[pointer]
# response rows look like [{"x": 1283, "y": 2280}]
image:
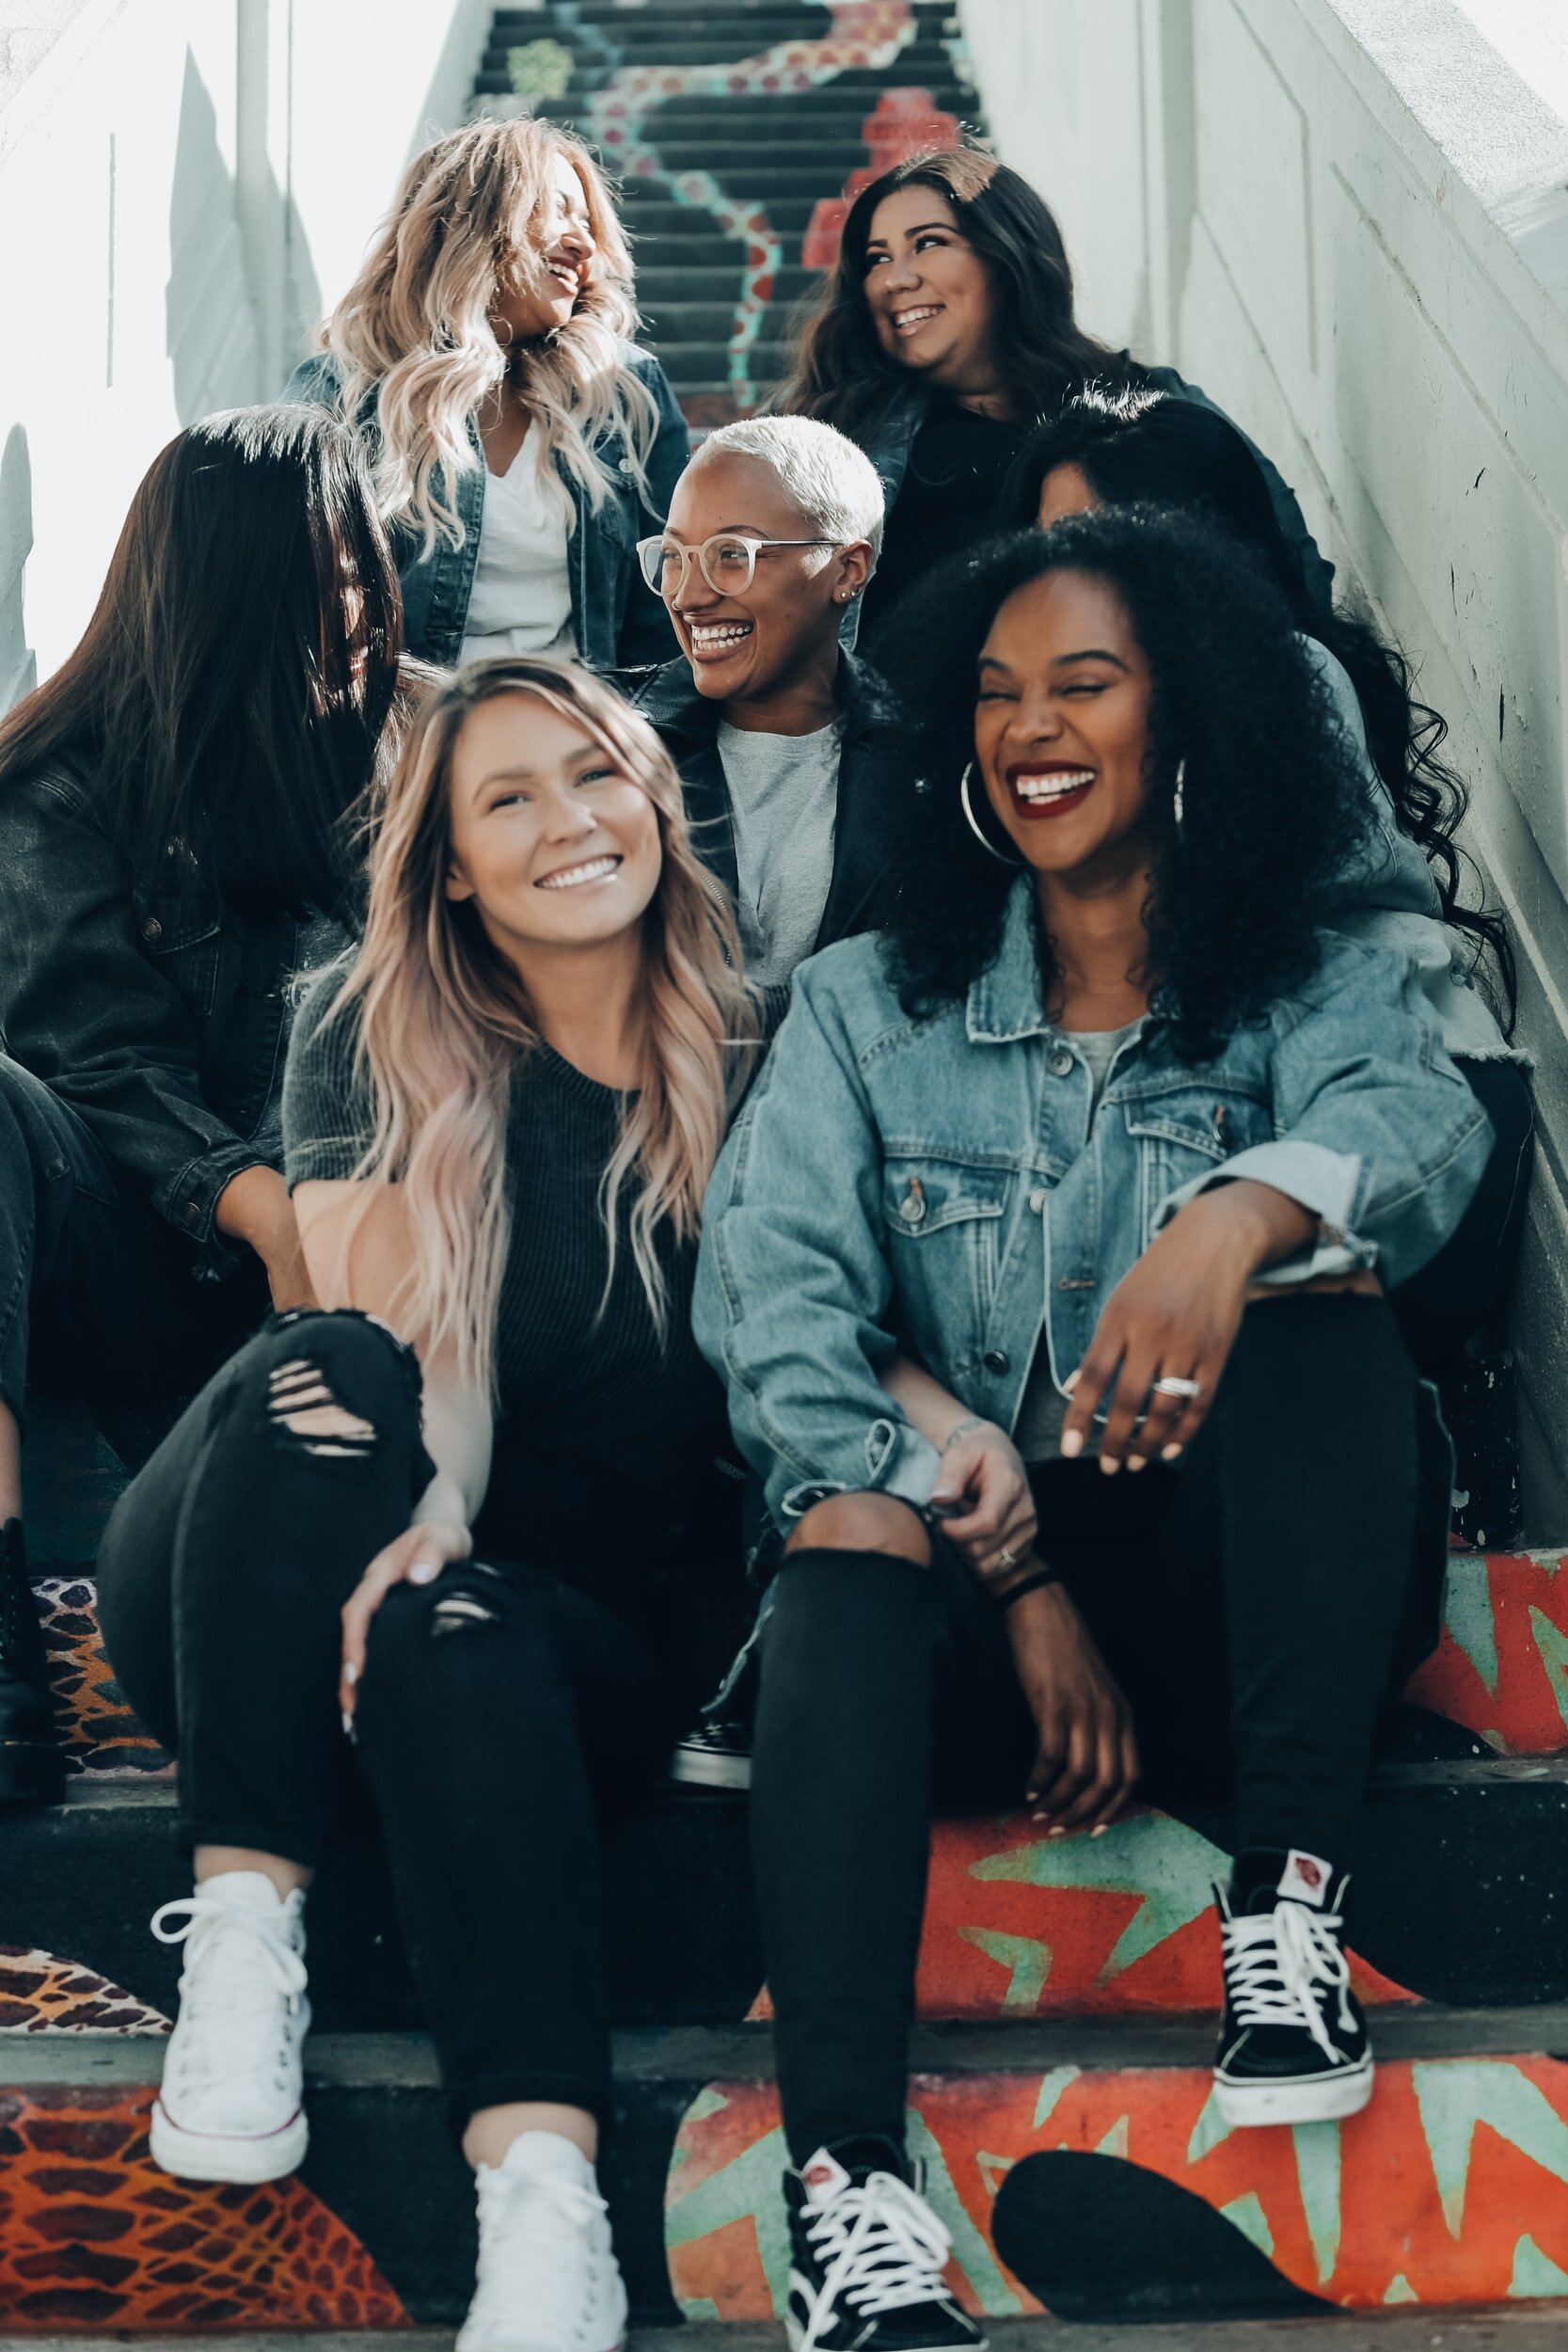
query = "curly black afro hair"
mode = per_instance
[{"x": 1275, "y": 798}]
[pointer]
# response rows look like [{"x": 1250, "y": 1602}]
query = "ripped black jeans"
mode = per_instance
[{"x": 499, "y": 1711}]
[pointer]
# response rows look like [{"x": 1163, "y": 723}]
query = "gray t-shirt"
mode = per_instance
[
  {"x": 1037, "y": 1433},
  {"x": 783, "y": 800}
]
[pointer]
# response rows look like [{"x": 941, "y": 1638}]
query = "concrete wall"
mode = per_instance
[
  {"x": 184, "y": 185},
  {"x": 1350, "y": 224}
]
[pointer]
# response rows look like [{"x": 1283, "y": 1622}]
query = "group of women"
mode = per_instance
[{"x": 616, "y": 1097}]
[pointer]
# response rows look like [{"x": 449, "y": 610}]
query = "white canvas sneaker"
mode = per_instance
[
  {"x": 231, "y": 2106},
  {"x": 548, "y": 2281}
]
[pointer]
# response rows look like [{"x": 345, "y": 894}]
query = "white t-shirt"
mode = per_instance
[
  {"x": 521, "y": 598},
  {"x": 783, "y": 802}
]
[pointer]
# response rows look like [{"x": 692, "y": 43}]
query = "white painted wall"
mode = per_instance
[
  {"x": 1348, "y": 222},
  {"x": 184, "y": 185}
]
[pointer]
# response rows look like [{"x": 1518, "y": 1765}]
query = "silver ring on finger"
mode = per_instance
[
  {"x": 1171, "y": 1384},
  {"x": 1005, "y": 1558}
]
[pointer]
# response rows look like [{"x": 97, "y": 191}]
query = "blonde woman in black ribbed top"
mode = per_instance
[{"x": 499, "y": 1124}]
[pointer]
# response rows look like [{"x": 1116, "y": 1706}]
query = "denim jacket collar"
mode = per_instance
[{"x": 1005, "y": 1001}]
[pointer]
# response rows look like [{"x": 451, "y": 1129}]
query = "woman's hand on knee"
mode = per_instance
[
  {"x": 983, "y": 1495},
  {"x": 1085, "y": 1766},
  {"x": 417, "y": 1557}
]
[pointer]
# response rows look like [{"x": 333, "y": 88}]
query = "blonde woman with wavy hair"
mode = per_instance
[
  {"x": 522, "y": 442},
  {"x": 466, "y": 1529}
]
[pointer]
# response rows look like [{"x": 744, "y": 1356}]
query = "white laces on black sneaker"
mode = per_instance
[
  {"x": 884, "y": 2249},
  {"x": 1275, "y": 1961}
]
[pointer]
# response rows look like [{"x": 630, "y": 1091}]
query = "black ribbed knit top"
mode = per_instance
[{"x": 606, "y": 1429}]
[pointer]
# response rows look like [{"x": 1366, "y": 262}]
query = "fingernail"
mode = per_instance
[
  {"x": 1101, "y": 1830},
  {"x": 1171, "y": 1453},
  {"x": 1134, "y": 1461},
  {"x": 1109, "y": 1463},
  {"x": 351, "y": 1672},
  {"x": 348, "y": 1724},
  {"x": 1037, "y": 1817},
  {"x": 1053, "y": 1833},
  {"x": 422, "y": 1572},
  {"x": 1072, "y": 1444},
  {"x": 1071, "y": 1382}
]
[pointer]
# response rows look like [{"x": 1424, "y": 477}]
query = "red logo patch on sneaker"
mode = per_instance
[
  {"x": 824, "y": 2176},
  {"x": 1305, "y": 1877}
]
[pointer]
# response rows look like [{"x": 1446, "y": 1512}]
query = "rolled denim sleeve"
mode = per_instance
[
  {"x": 85, "y": 1010},
  {"x": 1375, "y": 1131},
  {"x": 793, "y": 1288}
]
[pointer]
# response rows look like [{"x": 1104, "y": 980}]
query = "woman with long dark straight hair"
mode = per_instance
[
  {"x": 944, "y": 333},
  {"x": 1402, "y": 887},
  {"x": 174, "y": 833}
]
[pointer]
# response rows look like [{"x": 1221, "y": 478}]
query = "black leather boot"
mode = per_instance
[{"x": 32, "y": 1771}]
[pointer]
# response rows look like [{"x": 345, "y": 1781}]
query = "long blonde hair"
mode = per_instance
[
  {"x": 413, "y": 329},
  {"x": 444, "y": 1021}
]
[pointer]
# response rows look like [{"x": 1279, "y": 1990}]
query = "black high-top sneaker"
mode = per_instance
[
  {"x": 31, "y": 1769},
  {"x": 1293, "y": 2045},
  {"x": 866, "y": 2256}
]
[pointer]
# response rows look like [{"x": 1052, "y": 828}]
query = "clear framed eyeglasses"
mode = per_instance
[{"x": 727, "y": 562}]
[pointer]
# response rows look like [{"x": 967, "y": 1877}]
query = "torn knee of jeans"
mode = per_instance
[
  {"x": 459, "y": 1612},
  {"x": 301, "y": 1407}
]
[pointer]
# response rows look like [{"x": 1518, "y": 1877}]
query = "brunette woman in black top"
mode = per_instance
[
  {"x": 500, "y": 1122},
  {"x": 175, "y": 853},
  {"x": 945, "y": 332}
]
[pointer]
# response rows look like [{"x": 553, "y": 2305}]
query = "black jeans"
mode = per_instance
[
  {"x": 99, "y": 1296},
  {"x": 500, "y": 1709},
  {"x": 1256, "y": 1605},
  {"x": 1464, "y": 1289}
]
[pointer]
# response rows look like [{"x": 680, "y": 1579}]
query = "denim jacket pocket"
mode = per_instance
[
  {"x": 1182, "y": 1135},
  {"x": 944, "y": 1223},
  {"x": 180, "y": 942}
]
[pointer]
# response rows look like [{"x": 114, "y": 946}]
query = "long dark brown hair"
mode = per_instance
[
  {"x": 226, "y": 701},
  {"x": 842, "y": 373}
]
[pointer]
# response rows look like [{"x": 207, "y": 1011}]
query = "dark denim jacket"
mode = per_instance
[
  {"x": 688, "y": 724},
  {"x": 889, "y": 444},
  {"x": 160, "y": 1021},
  {"x": 614, "y": 620}
]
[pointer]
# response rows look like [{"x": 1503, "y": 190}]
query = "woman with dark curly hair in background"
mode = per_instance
[
  {"x": 1401, "y": 888},
  {"x": 944, "y": 333},
  {"x": 1092, "y": 1129}
]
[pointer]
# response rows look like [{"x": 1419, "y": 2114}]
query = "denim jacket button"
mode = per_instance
[
  {"x": 1061, "y": 1063},
  {"x": 626, "y": 466},
  {"x": 153, "y": 931},
  {"x": 1038, "y": 1199},
  {"x": 995, "y": 1361}
]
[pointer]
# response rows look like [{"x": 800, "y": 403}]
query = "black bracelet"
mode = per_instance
[{"x": 1031, "y": 1583}]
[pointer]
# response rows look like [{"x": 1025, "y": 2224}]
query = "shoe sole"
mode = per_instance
[
  {"x": 1308, "y": 2099},
  {"x": 32, "y": 1772},
  {"x": 711, "y": 1772},
  {"x": 796, "y": 2336},
  {"x": 224, "y": 2156}
]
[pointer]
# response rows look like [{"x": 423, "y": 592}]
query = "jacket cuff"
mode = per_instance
[
  {"x": 190, "y": 1201},
  {"x": 1325, "y": 1182},
  {"x": 898, "y": 1462}
]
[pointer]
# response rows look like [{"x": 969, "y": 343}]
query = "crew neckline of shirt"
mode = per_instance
[{"x": 576, "y": 1080}]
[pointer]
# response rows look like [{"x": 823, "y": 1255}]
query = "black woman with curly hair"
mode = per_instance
[
  {"x": 943, "y": 333},
  {"x": 1403, "y": 889},
  {"x": 1115, "y": 1139}
]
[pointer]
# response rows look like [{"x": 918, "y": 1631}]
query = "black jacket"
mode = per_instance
[{"x": 872, "y": 764}]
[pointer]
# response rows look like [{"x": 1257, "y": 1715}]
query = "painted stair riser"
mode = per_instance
[
  {"x": 1093, "y": 2193},
  {"x": 1462, "y": 1897}
]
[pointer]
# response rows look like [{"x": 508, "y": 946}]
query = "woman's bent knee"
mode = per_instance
[
  {"x": 863, "y": 1522},
  {"x": 334, "y": 1383}
]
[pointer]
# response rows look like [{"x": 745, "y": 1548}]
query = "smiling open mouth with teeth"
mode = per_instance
[
  {"x": 1048, "y": 791},
  {"x": 572, "y": 877},
  {"x": 907, "y": 322},
  {"x": 712, "y": 639}
]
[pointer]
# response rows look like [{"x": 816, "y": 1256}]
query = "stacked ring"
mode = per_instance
[{"x": 1170, "y": 1384}]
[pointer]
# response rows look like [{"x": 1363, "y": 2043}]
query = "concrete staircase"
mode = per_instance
[
  {"x": 734, "y": 126},
  {"x": 1061, "y": 2091}
]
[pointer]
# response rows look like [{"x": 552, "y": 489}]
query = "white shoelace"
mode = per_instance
[
  {"x": 1275, "y": 1961},
  {"x": 884, "y": 2247},
  {"x": 258, "y": 1963},
  {"x": 539, "y": 2269}
]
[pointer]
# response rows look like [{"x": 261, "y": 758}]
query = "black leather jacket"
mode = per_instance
[{"x": 159, "y": 1019}]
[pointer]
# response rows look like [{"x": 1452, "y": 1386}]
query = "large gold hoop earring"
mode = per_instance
[{"x": 1001, "y": 856}]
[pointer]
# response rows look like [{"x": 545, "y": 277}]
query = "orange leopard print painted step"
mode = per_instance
[
  {"x": 40, "y": 1992},
  {"x": 99, "y": 1731}
]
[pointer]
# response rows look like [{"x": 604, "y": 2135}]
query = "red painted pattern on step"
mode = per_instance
[
  {"x": 93, "y": 2236},
  {"x": 1501, "y": 1665},
  {"x": 1451, "y": 2189},
  {"x": 905, "y": 122}
]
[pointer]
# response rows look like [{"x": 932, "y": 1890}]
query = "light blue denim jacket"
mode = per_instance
[
  {"x": 615, "y": 622},
  {"x": 939, "y": 1185}
]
